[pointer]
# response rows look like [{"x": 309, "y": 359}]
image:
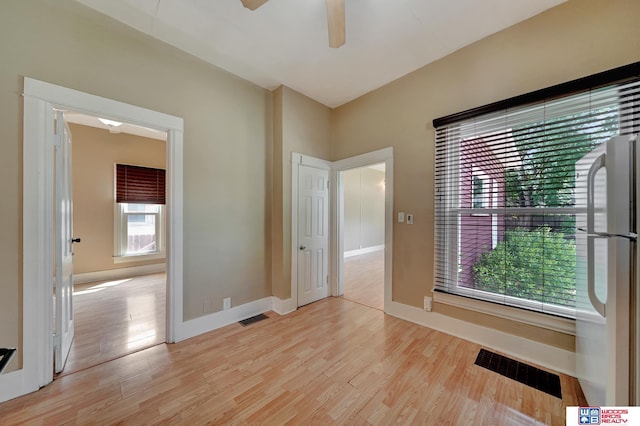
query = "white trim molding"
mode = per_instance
[
  {"x": 204, "y": 324},
  {"x": 546, "y": 356},
  {"x": 283, "y": 307},
  {"x": 116, "y": 274},
  {"x": 216, "y": 320},
  {"x": 12, "y": 385},
  {"x": 550, "y": 322}
]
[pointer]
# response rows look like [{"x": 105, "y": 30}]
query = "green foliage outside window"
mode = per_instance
[
  {"x": 547, "y": 175},
  {"x": 532, "y": 264},
  {"x": 536, "y": 259}
]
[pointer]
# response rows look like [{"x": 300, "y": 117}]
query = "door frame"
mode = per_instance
[
  {"x": 336, "y": 228},
  {"x": 385, "y": 156},
  {"x": 40, "y": 98}
]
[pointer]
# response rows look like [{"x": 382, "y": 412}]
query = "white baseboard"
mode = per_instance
[
  {"x": 283, "y": 307},
  {"x": 363, "y": 251},
  {"x": 550, "y": 357},
  {"x": 211, "y": 322},
  {"x": 115, "y": 274},
  {"x": 12, "y": 385}
]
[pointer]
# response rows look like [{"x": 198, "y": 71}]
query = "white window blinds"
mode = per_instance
[{"x": 505, "y": 202}]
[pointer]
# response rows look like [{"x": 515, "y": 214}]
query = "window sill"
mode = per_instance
[
  {"x": 550, "y": 322},
  {"x": 138, "y": 258}
]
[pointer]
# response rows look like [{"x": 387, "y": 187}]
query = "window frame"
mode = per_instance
[
  {"x": 486, "y": 190},
  {"x": 448, "y": 240},
  {"x": 453, "y": 236},
  {"x": 121, "y": 236}
]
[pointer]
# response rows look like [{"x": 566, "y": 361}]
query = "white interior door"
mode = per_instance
[
  {"x": 63, "y": 284},
  {"x": 313, "y": 234}
]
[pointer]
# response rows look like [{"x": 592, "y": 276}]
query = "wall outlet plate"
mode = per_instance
[
  {"x": 226, "y": 303},
  {"x": 427, "y": 303}
]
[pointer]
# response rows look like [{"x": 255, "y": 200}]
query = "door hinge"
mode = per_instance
[
  {"x": 327, "y": 279},
  {"x": 328, "y": 184}
]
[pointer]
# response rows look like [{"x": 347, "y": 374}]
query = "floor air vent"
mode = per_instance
[
  {"x": 251, "y": 320},
  {"x": 521, "y": 372}
]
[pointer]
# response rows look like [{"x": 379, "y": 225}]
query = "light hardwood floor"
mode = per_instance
[
  {"x": 115, "y": 318},
  {"x": 330, "y": 362},
  {"x": 364, "y": 279}
]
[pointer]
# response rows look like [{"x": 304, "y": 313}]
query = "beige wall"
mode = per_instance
[
  {"x": 578, "y": 38},
  {"x": 238, "y": 137},
  {"x": 364, "y": 206},
  {"x": 227, "y": 135},
  {"x": 301, "y": 125},
  {"x": 93, "y": 192}
]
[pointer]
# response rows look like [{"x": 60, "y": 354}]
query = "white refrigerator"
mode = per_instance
[{"x": 606, "y": 273}]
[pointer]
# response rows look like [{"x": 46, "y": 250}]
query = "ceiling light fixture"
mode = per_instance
[{"x": 110, "y": 123}]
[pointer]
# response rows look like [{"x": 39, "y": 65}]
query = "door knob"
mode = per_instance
[
  {"x": 75, "y": 240},
  {"x": 302, "y": 247}
]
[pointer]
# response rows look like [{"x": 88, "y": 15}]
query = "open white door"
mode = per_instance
[
  {"x": 63, "y": 285},
  {"x": 313, "y": 234}
]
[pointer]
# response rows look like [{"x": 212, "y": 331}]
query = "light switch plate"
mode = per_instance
[
  {"x": 400, "y": 217},
  {"x": 409, "y": 219}
]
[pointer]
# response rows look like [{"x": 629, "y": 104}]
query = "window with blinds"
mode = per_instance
[
  {"x": 141, "y": 185},
  {"x": 505, "y": 204},
  {"x": 139, "y": 213}
]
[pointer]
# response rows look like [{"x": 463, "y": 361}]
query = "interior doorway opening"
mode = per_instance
[
  {"x": 119, "y": 262},
  {"x": 41, "y": 100},
  {"x": 363, "y": 236}
]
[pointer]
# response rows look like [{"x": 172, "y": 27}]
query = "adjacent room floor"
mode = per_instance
[
  {"x": 330, "y": 362},
  {"x": 116, "y": 318},
  {"x": 364, "y": 279}
]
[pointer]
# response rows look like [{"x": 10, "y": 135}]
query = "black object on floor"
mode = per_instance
[
  {"x": 521, "y": 372},
  {"x": 251, "y": 320},
  {"x": 5, "y": 357}
]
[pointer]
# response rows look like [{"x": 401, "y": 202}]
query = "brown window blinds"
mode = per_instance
[{"x": 141, "y": 185}]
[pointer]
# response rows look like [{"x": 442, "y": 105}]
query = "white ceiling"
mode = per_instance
[{"x": 286, "y": 42}]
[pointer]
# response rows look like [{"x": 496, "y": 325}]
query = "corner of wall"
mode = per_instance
[{"x": 283, "y": 306}]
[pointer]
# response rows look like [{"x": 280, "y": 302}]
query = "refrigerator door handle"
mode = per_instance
[{"x": 597, "y": 164}]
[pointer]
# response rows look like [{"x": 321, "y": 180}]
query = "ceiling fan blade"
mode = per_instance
[
  {"x": 253, "y": 4},
  {"x": 335, "y": 18}
]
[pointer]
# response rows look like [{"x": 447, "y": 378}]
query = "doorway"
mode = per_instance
[
  {"x": 119, "y": 264},
  {"x": 363, "y": 198},
  {"x": 382, "y": 159},
  {"x": 364, "y": 266},
  {"x": 40, "y": 100}
]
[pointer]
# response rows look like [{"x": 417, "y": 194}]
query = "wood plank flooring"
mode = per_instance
[
  {"x": 115, "y": 318},
  {"x": 330, "y": 362},
  {"x": 364, "y": 279}
]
